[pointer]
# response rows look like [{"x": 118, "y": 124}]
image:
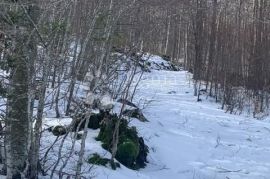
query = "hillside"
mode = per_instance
[
  {"x": 147, "y": 89},
  {"x": 188, "y": 139}
]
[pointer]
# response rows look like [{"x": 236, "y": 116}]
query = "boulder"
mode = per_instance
[
  {"x": 135, "y": 113},
  {"x": 96, "y": 159},
  {"x": 94, "y": 121},
  {"x": 166, "y": 57},
  {"x": 128, "y": 152},
  {"x": 141, "y": 159},
  {"x": 58, "y": 130},
  {"x": 126, "y": 102},
  {"x": 131, "y": 152}
]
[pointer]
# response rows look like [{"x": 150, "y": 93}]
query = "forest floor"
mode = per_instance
[
  {"x": 195, "y": 140},
  {"x": 189, "y": 139}
]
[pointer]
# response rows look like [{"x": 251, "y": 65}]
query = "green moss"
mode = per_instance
[
  {"x": 127, "y": 153},
  {"x": 95, "y": 159},
  {"x": 106, "y": 131},
  {"x": 59, "y": 130},
  {"x": 142, "y": 157},
  {"x": 131, "y": 149},
  {"x": 105, "y": 136}
]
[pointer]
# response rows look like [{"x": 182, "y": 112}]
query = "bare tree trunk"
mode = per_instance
[
  {"x": 82, "y": 150},
  {"x": 211, "y": 47},
  {"x": 167, "y": 35},
  {"x": 18, "y": 108}
]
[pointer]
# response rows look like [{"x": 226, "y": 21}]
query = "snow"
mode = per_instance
[
  {"x": 187, "y": 139},
  {"x": 190, "y": 139},
  {"x": 156, "y": 62}
]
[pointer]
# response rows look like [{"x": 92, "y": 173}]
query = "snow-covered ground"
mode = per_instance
[
  {"x": 194, "y": 140},
  {"x": 187, "y": 139}
]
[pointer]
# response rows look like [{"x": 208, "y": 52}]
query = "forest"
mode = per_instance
[{"x": 91, "y": 86}]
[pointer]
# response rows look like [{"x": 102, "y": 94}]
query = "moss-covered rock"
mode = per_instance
[
  {"x": 128, "y": 152},
  {"x": 106, "y": 131},
  {"x": 79, "y": 136},
  {"x": 131, "y": 152},
  {"x": 59, "y": 130},
  {"x": 126, "y": 102},
  {"x": 141, "y": 159},
  {"x": 95, "y": 159},
  {"x": 166, "y": 57},
  {"x": 135, "y": 113},
  {"x": 94, "y": 121}
]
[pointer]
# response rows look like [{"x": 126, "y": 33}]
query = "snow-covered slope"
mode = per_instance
[
  {"x": 194, "y": 140},
  {"x": 187, "y": 139},
  {"x": 155, "y": 62}
]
